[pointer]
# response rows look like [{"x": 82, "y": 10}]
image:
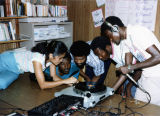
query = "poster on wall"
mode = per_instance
[
  {"x": 100, "y": 2},
  {"x": 98, "y": 18},
  {"x": 141, "y": 12}
]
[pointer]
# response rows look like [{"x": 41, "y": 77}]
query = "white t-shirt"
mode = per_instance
[
  {"x": 24, "y": 60},
  {"x": 138, "y": 40},
  {"x": 118, "y": 54}
]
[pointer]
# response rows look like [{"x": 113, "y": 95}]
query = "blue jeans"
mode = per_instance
[
  {"x": 90, "y": 73},
  {"x": 8, "y": 69},
  {"x": 133, "y": 89}
]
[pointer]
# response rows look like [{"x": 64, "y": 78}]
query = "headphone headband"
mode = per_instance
[{"x": 114, "y": 28}]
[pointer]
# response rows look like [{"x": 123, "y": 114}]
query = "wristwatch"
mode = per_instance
[{"x": 129, "y": 68}]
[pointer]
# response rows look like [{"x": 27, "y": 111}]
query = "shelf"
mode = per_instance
[
  {"x": 13, "y": 41},
  {"x": 43, "y": 19},
  {"x": 53, "y": 38},
  {"x": 46, "y": 31},
  {"x": 19, "y": 38},
  {"x": 6, "y": 18}
]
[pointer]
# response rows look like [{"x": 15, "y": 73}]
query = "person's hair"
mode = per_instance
[
  {"x": 80, "y": 48},
  {"x": 67, "y": 56},
  {"x": 112, "y": 20},
  {"x": 54, "y": 47},
  {"x": 100, "y": 42}
]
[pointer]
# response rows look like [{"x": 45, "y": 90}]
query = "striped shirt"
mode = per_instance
[{"x": 95, "y": 63}]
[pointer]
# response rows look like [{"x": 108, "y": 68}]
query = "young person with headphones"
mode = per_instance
[
  {"x": 105, "y": 49},
  {"x": 145, "y": 47}
]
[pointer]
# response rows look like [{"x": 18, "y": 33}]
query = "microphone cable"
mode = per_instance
[{"x": 142, "y": 89}]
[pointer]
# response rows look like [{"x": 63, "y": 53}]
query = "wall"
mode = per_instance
[
  {"x": 157, "y": 25},
  {"x": 79, "y": 11}
]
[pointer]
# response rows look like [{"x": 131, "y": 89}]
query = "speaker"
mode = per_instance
[{"x": 114, "y": 28}]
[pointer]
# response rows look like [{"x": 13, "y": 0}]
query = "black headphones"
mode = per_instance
[{"x": 114, "y": 28}]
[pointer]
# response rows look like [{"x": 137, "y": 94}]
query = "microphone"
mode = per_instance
[
  {"x": 136, "y": 83},
  {"x": 132, "y": 79}
]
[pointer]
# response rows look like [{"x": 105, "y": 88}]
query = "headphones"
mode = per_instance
[{"x": 114, "y": 28}]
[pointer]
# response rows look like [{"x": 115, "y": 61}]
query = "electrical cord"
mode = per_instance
[
  {"x": 142, "y": 89},
  {"x": 118, "y": 109},
  {"x": 133, "y": 113},
  {"x": 97, "y": 113}
]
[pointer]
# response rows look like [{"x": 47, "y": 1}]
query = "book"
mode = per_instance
[
  {"x": 2, "y": 38},
  {"x": 2, "y": 5},
  {"x": 12, "y": 31},
  {"x": 28, "y": 9},
  {"x": 7, "y": 8},
  {"x": 8, "y": 30},
  {"x": 1, "y": 11}
]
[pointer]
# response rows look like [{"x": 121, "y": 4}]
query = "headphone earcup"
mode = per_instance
[
  {"x": 115, "y": 28},
  {"x": 115, "y": 33}
]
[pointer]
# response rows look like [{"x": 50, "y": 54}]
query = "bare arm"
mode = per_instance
[
  {"x": 153, "y": 60},
  {"x": 53, "y": 73},
  {"x": 95, "y": 78},
  {"x": 122, "y": 78},
  {"x": 128, "y": 58},
  {"x": 136, "y": 75},
  {"x": 41, "y": 79},
  {"x": 119, "y": 82},
  {"x": 84, "y": 75}
]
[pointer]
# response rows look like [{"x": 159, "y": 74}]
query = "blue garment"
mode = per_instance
[
  {"x": 8, "y": 69},
  {"x": 133, "y": 89},
  {"x": 73, "y": 69}
]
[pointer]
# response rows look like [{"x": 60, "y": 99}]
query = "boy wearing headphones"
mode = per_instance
[{"x": 144, "y": 46}]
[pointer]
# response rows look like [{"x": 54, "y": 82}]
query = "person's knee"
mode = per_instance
[{"x": 6, "y": 78}]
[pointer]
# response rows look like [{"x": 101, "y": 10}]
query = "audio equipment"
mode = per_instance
[
  {"x": 114, "y": 28},
  {"x": 90, "y": 96},
  {"x": 135, "y": 83}
]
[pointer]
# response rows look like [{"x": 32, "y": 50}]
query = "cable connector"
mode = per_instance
[{"x": 112, "y": 91}]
